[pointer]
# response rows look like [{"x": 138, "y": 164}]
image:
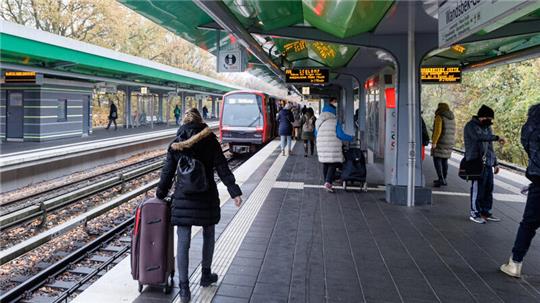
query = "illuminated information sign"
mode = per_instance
[
  {"x": 16, "y": 76},
  {"x": 307, "y": 75},
  {"x": 441, "y": 74}
]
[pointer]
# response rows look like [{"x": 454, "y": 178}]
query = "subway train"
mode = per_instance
[{"x": 247, "y": 120}]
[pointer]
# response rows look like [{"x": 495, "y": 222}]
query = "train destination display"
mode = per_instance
[
  {"x": 20, "y": 76},
  {"x": 441, "y": 74},
  {"x": 307, "y": 75}
]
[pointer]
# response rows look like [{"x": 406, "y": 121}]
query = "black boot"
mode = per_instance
[
  {"x": 208, "y": 277},
  {"x": 185, "y": 293}
]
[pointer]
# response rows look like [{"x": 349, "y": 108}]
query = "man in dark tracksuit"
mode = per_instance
[
  {"x": 530, "y": 139},
  {"x": 479, "y": 139}
]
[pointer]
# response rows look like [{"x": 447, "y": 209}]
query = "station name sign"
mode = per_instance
[
  {"x": 307, "y": 75},
  {"x": 459, "y": 19},
  {"x": 19, "y": 76},
  {"x": 441, "y": 74}
]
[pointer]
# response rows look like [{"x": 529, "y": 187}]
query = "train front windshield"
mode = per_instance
[{"x": 242, "y": 110}]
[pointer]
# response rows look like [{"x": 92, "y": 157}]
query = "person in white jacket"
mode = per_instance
[{"x": 329, "y": 142}]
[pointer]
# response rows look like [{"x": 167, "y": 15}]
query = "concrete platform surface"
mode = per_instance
[{"x": 293, "y": 242}]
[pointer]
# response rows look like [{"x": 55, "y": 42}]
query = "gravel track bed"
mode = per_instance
[
  {"x": 34, "y": 189},
  {"x": 27, "y": 265},
  {"x": 27, "y": 230}
]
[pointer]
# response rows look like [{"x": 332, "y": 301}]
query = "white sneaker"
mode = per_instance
[
  {"x": 478, "y": 220},
  {"x": 492, "y": 218},
  {"x": 512, "y": 268}
]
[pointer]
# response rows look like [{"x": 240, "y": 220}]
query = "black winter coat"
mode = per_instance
[
  {"x": 285, "y": 119},
  {"x": 200, "y": 209},
  {"x": 113, "y": 112},
  {"x": 530, "y": 139}
]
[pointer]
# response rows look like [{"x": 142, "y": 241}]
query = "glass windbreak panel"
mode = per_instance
[{"x": 243, "y": 110}]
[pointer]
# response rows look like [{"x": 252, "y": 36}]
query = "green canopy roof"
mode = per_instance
[
  {"x": 33, "y": 48},
  {"x": 270, "y": 21}
]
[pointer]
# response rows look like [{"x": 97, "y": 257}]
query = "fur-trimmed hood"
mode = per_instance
[{"x": 188, "y": 143}]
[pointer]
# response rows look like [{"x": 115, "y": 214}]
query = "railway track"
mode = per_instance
[
  {"x": 20, "y": 198},
  {"x": 18, "y": 214},
  {"x": 59, "y": 280}
]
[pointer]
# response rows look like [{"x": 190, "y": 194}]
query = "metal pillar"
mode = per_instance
[
  {"x": 346, "y": 102},
  {"x": 127, "y": 108},
  {"x": 183, "y": 96},
  {"x": 213, "y": 107},
  {"x": 411, "y": 106},
  {"x": 168, "y": 113},
  {"x": 405, "y": 173},
  {"x": 160, "y": 108},
  {"x": 200, "y": 105},
  {"x": 152, "y": 110}
]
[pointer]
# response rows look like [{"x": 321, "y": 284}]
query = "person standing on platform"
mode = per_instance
[
  {"x": 308, "y": 128},
  {"x": 113, "y": 115},
  {"x": 196, "y": 141},
  {"x": 296, "y": 122},
  {"x": 479, "y": 138},
  {"x": 425, "y": 137},
  {"x": 329, "y": 135},
  {"x": 285, "y": 119},
  {"x": 442, "y": 141},
  {"x": 177, "y": 113},
  {"x": 530, "y": 139},
  {"x": 205, "y": 112}
]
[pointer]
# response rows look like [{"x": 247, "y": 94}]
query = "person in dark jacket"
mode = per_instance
[
  {"x": 479, "y": 138},
  {"x": 442, "y": 141},
  {"x": 425, "y": 138},
  {"x": 530, "y": 139},
  {"x": 285, "y": 119},
  {"x": 177, "y": 113},
  {"x": 201, "y": 209},
  {"x": 205, "y": 112},
  {"x": 308, "y": 130},
  {"x": 113, "y": 115}
]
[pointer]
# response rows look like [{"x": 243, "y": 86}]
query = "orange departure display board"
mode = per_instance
[
  {"x": 307, "y": 75},
  {"x": 441, "y": 74},
  {"x": 18, "y": 76}
]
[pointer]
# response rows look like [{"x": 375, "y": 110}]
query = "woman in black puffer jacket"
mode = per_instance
[{"x": 200, "y": 209}]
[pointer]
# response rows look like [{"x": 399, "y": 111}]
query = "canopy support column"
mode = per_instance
[
  {"x": 411, "y": 71},
  {"x": 160, "y": 108},
  {"x": 213, "y": 107},
  {"x": 127, "y": 107}
]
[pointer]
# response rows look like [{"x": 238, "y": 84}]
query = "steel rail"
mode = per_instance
[
  {"x": 68, "y": 183},
  {"x": 19, "y": 216},
  {"x": 29, "y": 244},
  {"x": 36, "y": 281}
]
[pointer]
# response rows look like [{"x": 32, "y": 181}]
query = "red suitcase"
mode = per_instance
[{"x": 152, "y": 256}]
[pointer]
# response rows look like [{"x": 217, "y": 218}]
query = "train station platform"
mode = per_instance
[
  {"x": 98, "y": 135},
  {"x": 26, "y": 163},
  {"x": 291, "y": 241}
]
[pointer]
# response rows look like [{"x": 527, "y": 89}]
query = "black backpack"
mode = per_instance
[{"x": 191, "y": 174}]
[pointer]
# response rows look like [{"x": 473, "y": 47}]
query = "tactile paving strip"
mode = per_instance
[{"x": 228, "y": 244}]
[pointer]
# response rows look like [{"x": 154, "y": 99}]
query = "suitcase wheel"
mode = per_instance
[
  {"x": 140, "y": 287},
  {"x": 166, "y": 289}
]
